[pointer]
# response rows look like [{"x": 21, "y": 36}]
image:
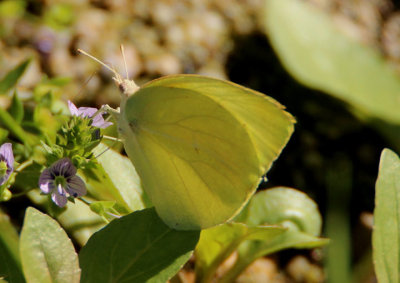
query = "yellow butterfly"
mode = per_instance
[{"x": 200, "y": 145}]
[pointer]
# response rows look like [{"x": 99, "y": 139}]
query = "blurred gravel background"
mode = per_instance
[{"x": 223, "y": 39}]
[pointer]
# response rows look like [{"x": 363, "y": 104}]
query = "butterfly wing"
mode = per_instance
[{"x": 200, "y": 153}]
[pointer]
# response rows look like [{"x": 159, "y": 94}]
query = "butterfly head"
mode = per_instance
[{"x": 126, "y": 86}]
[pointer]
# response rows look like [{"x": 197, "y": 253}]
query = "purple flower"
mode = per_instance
[
  {"x": 6, "y": 162},
  {"x": 61, "y": 181},
  {"x": 88, "y": 112}
]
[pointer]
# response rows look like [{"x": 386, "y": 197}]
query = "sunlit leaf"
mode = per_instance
[
  {"x": 116, "y": 179},
  {"x": 318, "y": 54},
  {"x": 46, "y": 252},
  {"x": 218, "y": 243},
  {"x": 139, "y": 248},
  {"x": 385, "y": 236}
]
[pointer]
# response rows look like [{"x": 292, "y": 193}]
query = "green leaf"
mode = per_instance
[
  {"x": 104, "y": 209},
  {"x": 385, "y": 236},
  {"x": 138, "y": 247},
  {"x": 17, "y": 108},
  {"x": 116, "y": 179},
  {"x": 77, "y": 218},
  {"x": 46, "y": 252},
  {"x": 12, "y": 77},
  {"x": 218, "y": 243},
  {"x": 10, "y": 264},
  {"x": 284, "y": 206},
  {"x": 318, "y": 54}
]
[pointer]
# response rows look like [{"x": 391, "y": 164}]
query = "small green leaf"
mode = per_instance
[
  {"x": 46, "y": 252},
  {"x": 106, "y": 209},
  {"x": 218, "y": 243},
  {"x": 116, "y": 179},
  {"x": 12, "y": 77},
  {"x": 17, "y": 108},
  {"x": 385, "y": 236},
  {"x": 139, "y": 248},
  {"x": 10, "y": 264}
]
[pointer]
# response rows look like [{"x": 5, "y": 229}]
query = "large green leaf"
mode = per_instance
[
  {"x": 116, "y": 179},
  {"x": 138, "y": 247},
  {"x": 47, "y": 254},
  {"x": 12, "y": 77},
  {"x": 386, "y": 235},
  {"x": 10, "y": 264},
  {"x": 319, "y": 55},
  {"x": 218, "y": 243}
]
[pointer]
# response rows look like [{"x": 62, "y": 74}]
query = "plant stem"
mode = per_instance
[
  {"x": 338, "y": 183},
  {"x": 23, "y": 165}
]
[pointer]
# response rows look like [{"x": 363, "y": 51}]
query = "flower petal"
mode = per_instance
[
  {"x": 46, "y": 181},
  {"x": 87, "y": 111},
  {"x": 58, "y": 199},
  {"x": 76, "y": 187},
  {"x": 7, "y": 155},
  {"x": 72, "y": 108},
  {"x": 99, "y": 122},
  {"x": 63, "y": 167}
]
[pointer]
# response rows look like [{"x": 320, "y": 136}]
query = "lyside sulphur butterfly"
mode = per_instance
[{"x": 200, "y": 145}]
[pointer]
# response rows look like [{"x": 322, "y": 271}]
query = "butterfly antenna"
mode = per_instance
[
  {"x": 126, "y": 66},
  {"x": 84, "y": 85},
  {"x": 117, "y": 76},
  {"x": 108, "y": 148}
]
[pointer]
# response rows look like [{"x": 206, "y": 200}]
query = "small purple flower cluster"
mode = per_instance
[{"x": 60, "y": 179}]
